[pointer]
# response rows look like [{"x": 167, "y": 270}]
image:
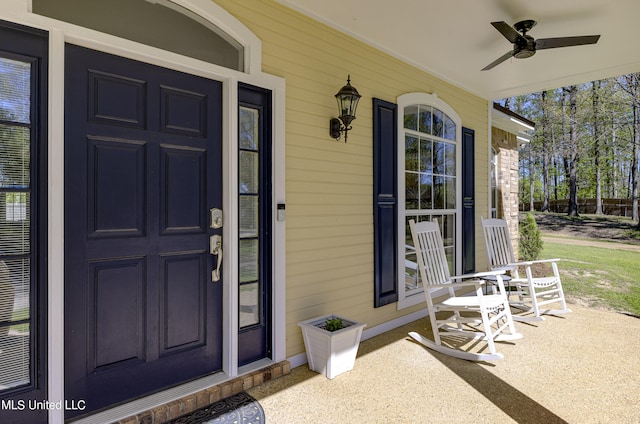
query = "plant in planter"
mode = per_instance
[
  {"x": 333, "y": 324},
  {"x": 331, "y": 343}
]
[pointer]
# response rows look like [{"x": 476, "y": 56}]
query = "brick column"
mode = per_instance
[{"x": 506, "y": 146}]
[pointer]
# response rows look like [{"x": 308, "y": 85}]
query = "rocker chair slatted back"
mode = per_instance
[
  {"x": 432, "y": 259},
  {"x": 534, "y": 293},
  {"x": 498, "y": 242}
]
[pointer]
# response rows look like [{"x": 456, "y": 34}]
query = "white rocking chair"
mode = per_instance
[
  {"x": 534, "y": 293},
  {"x": 490, "y": 320}
]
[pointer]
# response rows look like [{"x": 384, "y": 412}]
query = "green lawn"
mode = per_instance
[
  {"x": 19, "y": 315},
  {"x": 607, "y": 278}
]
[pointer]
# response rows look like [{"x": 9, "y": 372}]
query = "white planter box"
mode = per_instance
[{"x": 331, "y": 352}]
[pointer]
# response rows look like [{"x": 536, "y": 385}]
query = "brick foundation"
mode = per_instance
[{"x": 195, "y": 401}]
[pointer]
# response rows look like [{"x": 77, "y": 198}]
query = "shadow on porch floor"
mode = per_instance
[{"x": 582, "y": 367}]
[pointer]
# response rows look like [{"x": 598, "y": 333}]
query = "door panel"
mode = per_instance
[
  {"x": 142, "y": 169},
  {"x": 116, "y": 100},
  {"x": 183, "y": 112},
  {"x": 183, "y": 320},
  {"x": 182, "y": 182},
  {"x": 117, "y": 163},
  {"x": 117, "y": 286}
]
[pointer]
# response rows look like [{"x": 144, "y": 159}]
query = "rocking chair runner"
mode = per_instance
[
  {"x": 494, "y": 322},
  {"x": 533, "y": 292}
]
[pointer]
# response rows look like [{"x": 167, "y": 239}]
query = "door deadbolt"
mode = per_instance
[{"x": 216, "y": 218}]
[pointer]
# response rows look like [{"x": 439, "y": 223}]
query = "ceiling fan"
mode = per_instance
[{"x": 525, "y": 45}]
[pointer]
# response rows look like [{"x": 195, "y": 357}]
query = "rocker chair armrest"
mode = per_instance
[
  {"x": 479, "y": 274},
  {"x": 458, "y": 284},
  {"x": 529, "y": 263}
]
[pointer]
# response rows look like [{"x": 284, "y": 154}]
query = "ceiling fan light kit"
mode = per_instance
[{"x": 525, "y": 46}]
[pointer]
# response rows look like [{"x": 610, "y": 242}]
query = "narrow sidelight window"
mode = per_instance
[
  {"x": 254, "y": 224},
  {"x": 249, "y": 206},
  {"x": 16, "y": 80}
]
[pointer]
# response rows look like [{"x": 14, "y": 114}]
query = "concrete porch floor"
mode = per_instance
[{"x": 582, "y": 367}]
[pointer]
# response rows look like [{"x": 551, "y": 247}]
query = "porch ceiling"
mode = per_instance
[{"x": 455, "y": 40}]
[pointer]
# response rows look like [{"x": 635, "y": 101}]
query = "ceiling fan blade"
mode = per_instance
[
  {"x": 552, "y": 43},
  {"x": 498, "y": 61},
  {"x": 507, "y": 30}
]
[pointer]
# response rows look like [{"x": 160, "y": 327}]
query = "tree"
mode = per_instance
[
  {"x": 572, "y": 154},
  {"x": 545, "y": 150},
  {"x": 14, "y": 115},
  {"x": 596, "y": 86},
  {"x": 586, "y": 144},
  {"x": 530, "y": 243},
  {"x": 631, "y": 85}
]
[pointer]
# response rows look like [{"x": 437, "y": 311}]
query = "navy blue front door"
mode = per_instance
[{"x": 143, "y": 169}]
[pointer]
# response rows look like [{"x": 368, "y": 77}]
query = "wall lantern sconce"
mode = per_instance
[{"x": 347, "y": 98}]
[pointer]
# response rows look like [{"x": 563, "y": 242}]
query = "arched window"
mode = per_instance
[
  {"x": 158, "y": 23},
  {"x": 428, "y": 180}
]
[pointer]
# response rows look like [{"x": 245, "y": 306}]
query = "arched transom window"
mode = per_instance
[{"x": 159, "y": 23}]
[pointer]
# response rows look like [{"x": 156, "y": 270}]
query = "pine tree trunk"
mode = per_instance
[
  {"x": 573, "y": 152},
  {"x": 634, "y": 162},
  {"x": 596, "y": 145},
  {"x": 545, "y": 153},
  {"x": 531, "y": 187}
]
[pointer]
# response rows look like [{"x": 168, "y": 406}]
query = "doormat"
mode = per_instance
[{"x": 237, "y": 409}]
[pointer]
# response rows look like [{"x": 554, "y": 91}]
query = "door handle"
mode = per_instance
[{"x": 215, "y": 248}]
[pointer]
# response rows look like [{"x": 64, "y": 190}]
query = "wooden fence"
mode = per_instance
[{"x": 615, "y": 207}]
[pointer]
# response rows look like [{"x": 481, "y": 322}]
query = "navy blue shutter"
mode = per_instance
[
  {"x": 385, "y": 202},
  {"x": 468, "y": 202}
]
